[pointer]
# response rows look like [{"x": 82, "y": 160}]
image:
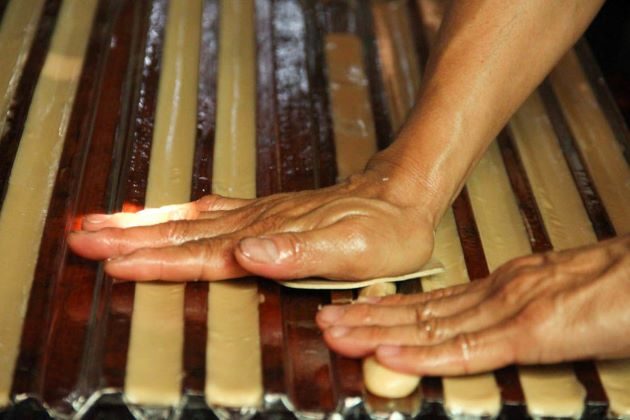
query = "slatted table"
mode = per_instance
[{"x": 72, "y": 353}]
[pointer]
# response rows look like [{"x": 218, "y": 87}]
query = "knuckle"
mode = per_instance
[
  {"x": 465, "y": 343},
  {"x": 208, "y": 202},
  {"x": 422, "y": 313},
  {"x": 429, "y": 331},
  {"x": 524, "y": 262},
  {"x": 175, "y": 231},
  {"x": 518, "y": 286}
]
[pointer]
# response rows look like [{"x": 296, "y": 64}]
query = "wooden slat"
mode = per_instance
[
  {"x": 307, "y": 361},
  {"x": 196, "y": 294}
]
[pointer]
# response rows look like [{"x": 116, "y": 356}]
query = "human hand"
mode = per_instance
[
  {"x": 358, "y": 229},
  {"x": 538, "y": 309}
]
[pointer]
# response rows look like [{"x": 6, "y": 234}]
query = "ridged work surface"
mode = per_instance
[{"x": 122, "y": 104}]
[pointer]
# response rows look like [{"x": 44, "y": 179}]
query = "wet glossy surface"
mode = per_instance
[{"x": 75, "y": 339}]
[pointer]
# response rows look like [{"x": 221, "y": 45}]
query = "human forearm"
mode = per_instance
[{"x": 488, "y": 57}]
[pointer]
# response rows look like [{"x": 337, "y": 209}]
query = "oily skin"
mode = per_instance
[
  {"x": 572, "y": 304},
  {"x": 488, "y": 57},
  {"x": 210, "y": 239}
]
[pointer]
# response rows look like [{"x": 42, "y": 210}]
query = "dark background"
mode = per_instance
[{"x": 609, "y": 38}]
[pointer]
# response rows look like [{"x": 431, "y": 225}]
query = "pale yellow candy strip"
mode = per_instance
[
  {"x": 611, "y": 176},
  {"x": 557, "y": 196},
  {"x": 549, "y": 390},
  {"x": 154, "y": 363},
  {"x": 601, "y": 152},
  {"x": 34, "y": 171},
  {"x": 233, "y": 358},
  {"x": 353, "y": 124},
  {"x": 17, "y": 31}
]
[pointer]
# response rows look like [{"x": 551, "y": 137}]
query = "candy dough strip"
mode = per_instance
[
  {"x": 557, "y": 196},
  {"x": 600, "y": 151},
  {"x": 233, "y": 358},
  {"x": 17, "y": 31},
  {"x": 378, "y": 379},
  {"x": 549, "y": 390},
  {"x": 353, "y": 125},
  {"x": 610, "y": 173},
  {"x": 34, "y": 171},
  {"x": 154, "y": 363}
]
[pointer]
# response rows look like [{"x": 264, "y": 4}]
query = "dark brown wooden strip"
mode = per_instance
[
  {"x": 294, "y": 111},
  {"x": 532, "y": 219},
  {"x": 307, "y": 362},
  {"x": 268, "y": 175},
  {"x": 33, "y": 362},
  {"x": 380, "y": 111},
  {"x": 324, "y": 146},
  {"x": 108, "y": 141},
  {"x": 206, "y": 100},
  {"x": 420, "y": 42},
  {"x": 3, "y": 7},
  {"x": 306, "y": 357},
  {"x": 268, "y": 182},
  {"x": 603, "y": 95},
  {"x": 475, "y": 258},
  {"x": 596, "y": 400},
  {"x": 272, "y": 342},
  {"x": 592, "y": 202},
  {"x": 18, "y": 111},
  {"x": 195, "y": 336},
  {"x": 134, "y": 181},
  {"x": 196, "y": 295}
]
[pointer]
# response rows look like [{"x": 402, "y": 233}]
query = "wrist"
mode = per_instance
[{"x": 403, "y": 182}]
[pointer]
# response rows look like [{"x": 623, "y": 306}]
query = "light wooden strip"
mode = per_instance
[
  {"x": 549, "y": 390},
  {"x": 17, "y": 31},
  {"x": 33, "y": 176},
  {"x": 601, "y": 152},
  {"x": 154, "y": 363},
  {"x": 603, "y": 157},
  {"x": 233, "y": 359}
]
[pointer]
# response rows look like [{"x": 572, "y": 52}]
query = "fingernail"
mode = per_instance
[
  {"x": 337, "y": 332},
  {"x": 96, "y": 218},
  {"x": 330, "y": 314},
  {"x": 260, "y": 250},
  {"x": 388, "y": 351},
  {"x": 368, "y": 299}
]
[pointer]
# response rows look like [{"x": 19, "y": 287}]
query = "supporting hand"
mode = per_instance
[{"x": 543, "y": 308}]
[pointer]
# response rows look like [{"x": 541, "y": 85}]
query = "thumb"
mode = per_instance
[{"x": 327, "y": 252}]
